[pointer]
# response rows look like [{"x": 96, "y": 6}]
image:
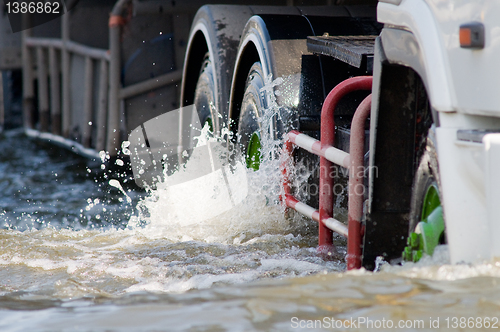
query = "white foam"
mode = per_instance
[{"x": 299, "y": 267}]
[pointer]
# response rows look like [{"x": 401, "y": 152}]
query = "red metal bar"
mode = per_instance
[
  {"x": 312, "y": 145},
  {"x": 288, "y": 148},
  {"x": 354, "y": 160},
  {"x": 356, "y": 186},
  {"x": 292, "y": 202},
  {"x": 326, "y": 182}
]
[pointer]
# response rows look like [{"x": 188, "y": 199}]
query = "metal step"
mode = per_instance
[{"x": 354, "y": 50}]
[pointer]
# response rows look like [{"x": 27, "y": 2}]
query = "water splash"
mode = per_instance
[
  {"x": 115, "y": 183},
  {"x": 166, "y": 215}
]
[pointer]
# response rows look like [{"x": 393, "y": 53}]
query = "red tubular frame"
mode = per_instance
[{"x": 355, "y": 173}]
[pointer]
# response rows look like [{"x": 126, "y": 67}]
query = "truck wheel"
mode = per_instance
[
  {"x": 249, "y": 128},
  {"x": 426, "y": 225},
  {"x": 204, "y": 98}
]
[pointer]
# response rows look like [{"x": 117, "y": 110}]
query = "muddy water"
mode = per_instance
[{"x": 77, "y": 255}]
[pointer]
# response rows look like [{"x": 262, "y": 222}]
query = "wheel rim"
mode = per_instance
[
  {"x": 428, "y": 232},
  {"x": 210, "y": 124},
  {"x": 431, "y": 201},
  {"x": 253, "y": 152}
]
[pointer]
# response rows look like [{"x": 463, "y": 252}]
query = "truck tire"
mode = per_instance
[
  {"x": 426, "y": 176},
  {"x": 426, "y": 224},
  {"x": 249, "y": 127},
  {"x": 204, "y": 96}
]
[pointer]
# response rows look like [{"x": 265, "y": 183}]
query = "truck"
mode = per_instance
[{"x": 400, "y": 92}]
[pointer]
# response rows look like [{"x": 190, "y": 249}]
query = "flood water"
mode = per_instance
[{"x": 79, "y": 254}]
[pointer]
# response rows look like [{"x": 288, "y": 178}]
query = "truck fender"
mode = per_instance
[{"x": 402, "y": 48}]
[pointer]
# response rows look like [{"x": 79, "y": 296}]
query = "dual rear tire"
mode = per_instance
[{"x": 249, "y": 126}]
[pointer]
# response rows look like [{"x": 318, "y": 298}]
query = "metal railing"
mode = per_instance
[
  {"x": 328, "y": 155},
  {"x": 57, "y": 113},
  {"x": 48, "y": 113}
]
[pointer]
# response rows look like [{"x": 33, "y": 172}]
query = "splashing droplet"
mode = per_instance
[{"x": 117, "y": 185}]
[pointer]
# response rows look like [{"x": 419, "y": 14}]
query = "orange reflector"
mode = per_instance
[
  {"x": 472, "y": 35},
  {"x": 116, "y": 20},
  {"x": 465, "y": 37}
]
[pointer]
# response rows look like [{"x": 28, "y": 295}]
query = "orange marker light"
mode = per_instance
[
  {"x": 465, "y": 39},
  {"x": 472, "y": 35}
]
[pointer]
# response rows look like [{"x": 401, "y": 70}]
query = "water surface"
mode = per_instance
[{"x": 77, "y": 255}]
